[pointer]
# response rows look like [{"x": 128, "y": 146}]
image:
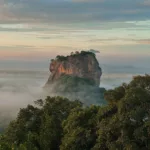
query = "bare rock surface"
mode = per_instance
[{"x": 76, "y": 77}]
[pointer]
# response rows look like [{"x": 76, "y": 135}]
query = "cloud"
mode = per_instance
[
  {"x": 66, "y": 12},
  {"x": 94, "y": 51},
  {"x": 88, "y": 1},
  {"x": 120, "y": 41},
  {"x": 17, "y": 90},
  {"x": 143, "y": 41},
  {"x": 73, "y": 23},
  {"x": 146, "y": 2}
]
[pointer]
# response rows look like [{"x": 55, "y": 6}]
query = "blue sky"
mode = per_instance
[{"x": 41, "y": 29}]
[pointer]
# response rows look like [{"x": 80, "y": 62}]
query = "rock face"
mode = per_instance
[
  {"x": 83, "y": 65},
  {"x": 76, "y": 77}
]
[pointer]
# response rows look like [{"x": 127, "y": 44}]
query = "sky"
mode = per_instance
[
  {"x": 32, "y": 32},
  {"x": 38, "y": 30}
]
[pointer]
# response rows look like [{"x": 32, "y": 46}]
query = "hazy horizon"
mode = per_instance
[
  {"x": 39, "y": 30},
  {"x": 32, "y": 32}
]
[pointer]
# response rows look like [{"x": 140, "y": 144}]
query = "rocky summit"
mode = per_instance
[{"x": 76, "y": 77}]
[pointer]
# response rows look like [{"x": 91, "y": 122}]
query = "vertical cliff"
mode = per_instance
[
  {"x": 83, "y": 65},
  {"x": 76, "y": 77}
]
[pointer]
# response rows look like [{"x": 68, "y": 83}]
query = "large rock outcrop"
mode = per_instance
[
  {"x": 83, "y": 65},
  {"x": 76, "y": 77}
]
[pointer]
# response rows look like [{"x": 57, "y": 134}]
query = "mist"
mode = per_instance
[
  {"x": 20, "y": 87},
  {"x": 17, "y": 90}
]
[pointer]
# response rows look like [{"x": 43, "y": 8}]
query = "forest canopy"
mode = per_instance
[{"x": 57, "y": 123}]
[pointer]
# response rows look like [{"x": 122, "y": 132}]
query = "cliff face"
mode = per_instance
[
  {"x": 76, "y": 77},
  {"x": 80, "y": 65}
]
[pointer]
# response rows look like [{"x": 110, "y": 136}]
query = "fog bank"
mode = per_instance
[{"x": 18, "y": 88}]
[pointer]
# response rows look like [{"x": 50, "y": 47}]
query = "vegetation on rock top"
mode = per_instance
[{"x": 82, "y": 53}]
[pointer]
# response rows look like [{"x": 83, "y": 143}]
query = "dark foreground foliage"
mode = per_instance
[{"x": 59, "y": 124}]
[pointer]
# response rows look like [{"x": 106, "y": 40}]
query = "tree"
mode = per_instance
[
  {"x": 40, "y": 127},
  {"x": 72, "y": 53},
  {"x": 128, "y": 126},
  {"x": 79, "y": 129},
  {"x": 60, "y": 124},
  {"x": 55, "y": 109}
]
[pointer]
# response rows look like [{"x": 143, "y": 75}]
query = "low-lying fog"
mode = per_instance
[{"x": 19, "y": 88}]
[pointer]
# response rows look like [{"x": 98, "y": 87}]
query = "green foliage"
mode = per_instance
[
  {"x": 112, "y": 96},
  {"x": 82, "y": 53},
  {"x": 80, "y": 129},
  {"x": 61, "y": 58},
  {"x": 127, "y": 128},
  {"x": 74, "y": 81},
  {"x": 141, "y": 81},
  {"x": 39, "y": 127},
  {"x": 74, "y": 87},
  {"x": 55, "y": 111},
  {"x": 59, "y": 124}
]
